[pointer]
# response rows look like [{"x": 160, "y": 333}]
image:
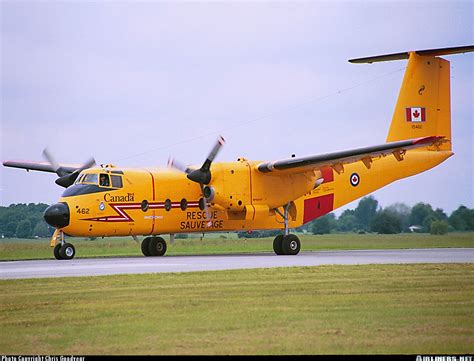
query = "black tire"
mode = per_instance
[
  {"x": 67, "y": 251},
  {"x": 146, "y": 247},
  {"x": 277, "y": 245},
  {"x": 157, "y": 246},
  {"x": 56, "y": 251},
  {"x": 291, "y": 245}
]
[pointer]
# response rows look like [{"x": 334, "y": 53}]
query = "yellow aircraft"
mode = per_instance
[{"x": 247, "y": 195}]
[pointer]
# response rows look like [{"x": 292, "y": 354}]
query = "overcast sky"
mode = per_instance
[{"x": 135, "y": 82}]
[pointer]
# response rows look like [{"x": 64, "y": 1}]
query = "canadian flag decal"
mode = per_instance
[{"x": 416, "y": 114}]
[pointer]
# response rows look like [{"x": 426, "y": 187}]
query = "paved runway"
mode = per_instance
[{"x": 134, "y": 265}]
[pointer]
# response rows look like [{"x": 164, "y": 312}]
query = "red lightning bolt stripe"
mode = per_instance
[{"x": 122, "y": 215}]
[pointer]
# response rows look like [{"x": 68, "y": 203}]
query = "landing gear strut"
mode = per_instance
[
  {"x": 62, "y": 250},
  {"x": 286, "y": 244},
  {"x": 153, "y": 246}
]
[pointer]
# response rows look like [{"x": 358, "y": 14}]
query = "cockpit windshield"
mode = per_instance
[
  {"x": 102, "y": 180},
  {"x": 79, "y": 179},
  {"x": 90, "y": 179}
]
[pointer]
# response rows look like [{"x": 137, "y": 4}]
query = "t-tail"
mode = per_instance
[
  {"x": 422, "y": 117},
  {"x": 423, "y": 107}
]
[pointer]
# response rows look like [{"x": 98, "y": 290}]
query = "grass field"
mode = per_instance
[
  {"x": 414, "y": 309},
  {"x": 14, "y": 249}
]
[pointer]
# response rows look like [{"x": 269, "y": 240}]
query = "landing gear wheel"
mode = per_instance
[
  {"x": 56, "y": 251},
  {"x": 157, "y": 246},
  {"x": 146, "y": 246},
  {"x": 277, "y": 245},
  {"x": 67, "y": 251},
  {"x": 291, "y": 245}
]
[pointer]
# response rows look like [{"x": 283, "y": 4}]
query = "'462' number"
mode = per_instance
[{"x": 83, "y": 210}]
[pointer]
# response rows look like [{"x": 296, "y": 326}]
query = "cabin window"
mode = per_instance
[
  {"x": 104, "y": 180},
  {"x": 116, "y": 181},
  {"x": 90, "y": 178}
]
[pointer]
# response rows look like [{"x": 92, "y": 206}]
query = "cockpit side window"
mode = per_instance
[
  {"x": 116, "y": 181},
  {"x": 104, "y": 180},
  {"x": 90, "y": 178}
]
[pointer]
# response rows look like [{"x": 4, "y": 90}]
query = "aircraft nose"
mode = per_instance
[{"x": 57, "y": 215}]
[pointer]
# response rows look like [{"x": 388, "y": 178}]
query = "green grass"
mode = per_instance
[
  {"x": 414, "y": 309},
  {"x": 212, "y": 244}
]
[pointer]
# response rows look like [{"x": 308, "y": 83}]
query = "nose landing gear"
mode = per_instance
[{"x": 62, "y": 250}]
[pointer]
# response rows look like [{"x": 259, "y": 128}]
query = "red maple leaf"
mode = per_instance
[{"x": 416, "y": 114}]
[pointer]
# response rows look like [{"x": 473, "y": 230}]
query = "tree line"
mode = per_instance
[
  {"x": 26, "y": 220},
  {"x": 368, "y": 216}
]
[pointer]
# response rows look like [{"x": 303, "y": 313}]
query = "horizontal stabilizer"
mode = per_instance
[{"x": 405, "y": 55}]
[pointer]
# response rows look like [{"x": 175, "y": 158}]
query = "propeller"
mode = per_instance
[
  {"x": 66, "y": 179},
  {"x": 173, "y": 163},
  {"x": 49, "y": 157},
  {"x": 202, "y": 176}
]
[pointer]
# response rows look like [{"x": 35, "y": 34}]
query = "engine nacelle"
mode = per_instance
[
  {"x": 238, "y": 185},
  {"x": 227, "y": 200},
  {"x": 230, "y": 187}
]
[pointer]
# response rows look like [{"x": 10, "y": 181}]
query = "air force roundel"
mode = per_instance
[{"x": 355, "y": 179}]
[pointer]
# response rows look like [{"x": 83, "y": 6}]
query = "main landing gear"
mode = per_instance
[
  {"x": 153, "y": 246},
  {"x": 62, "y": 250},
  {"x": 286, "y": 244}
]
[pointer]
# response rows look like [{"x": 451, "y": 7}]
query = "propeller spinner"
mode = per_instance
[{"x": 203, "y": 174}]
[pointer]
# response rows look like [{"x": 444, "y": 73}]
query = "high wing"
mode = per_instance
[
  {"x": 40, "y": 166},
  {"x": 338, "y": 159},
  {"x": 67, "y": 174}
]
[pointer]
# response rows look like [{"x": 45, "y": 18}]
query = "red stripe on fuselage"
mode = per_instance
[{"x": 122, "y": 215}]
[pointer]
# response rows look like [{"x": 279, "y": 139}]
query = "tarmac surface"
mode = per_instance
[{"x": 136, "y": 265}]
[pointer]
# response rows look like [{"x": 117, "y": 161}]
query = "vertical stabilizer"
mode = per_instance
[{"x": 423, "y": 106}]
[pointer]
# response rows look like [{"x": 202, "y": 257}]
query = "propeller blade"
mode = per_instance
[
  {"x": 88, "y": 164},
  {"x": 172, "y": 163},
  {"x": 69, "y": 178},
  {"x": 65, "y": 179},
  {"x": 207, "y": 163},
  {"x": 203, "y": 174},
  {"x": 49, "y": 157}
]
